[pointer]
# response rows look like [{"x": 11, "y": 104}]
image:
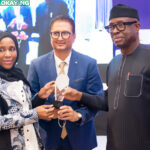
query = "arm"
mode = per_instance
[
  {"x": 43, "y": 94},
  {"x": 93, "y": 86},
  {"x": 94, "y": 102},
  {"x": 18, "y": 119}
]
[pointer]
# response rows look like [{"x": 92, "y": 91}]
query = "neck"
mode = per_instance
[
  {"x": 130, "y": 48},
  {"x": 62, "y": 54}
]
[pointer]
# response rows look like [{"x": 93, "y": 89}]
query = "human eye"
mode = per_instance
[
  {"x": 2, "y": 49},
  {"x": 12, "y": 49},
  {"x": 120, "y": 24},
  {"x": 65, "y": 33},
  {"x": 112, "y": 26},
  {"x": 55, "y": 33}
]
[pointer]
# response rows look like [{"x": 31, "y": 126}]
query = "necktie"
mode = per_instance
[
  {"x": 61, "y": 66},
  {"x": 64, "y": 131}
]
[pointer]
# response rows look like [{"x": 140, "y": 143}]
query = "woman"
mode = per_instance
[{"x": 17, "y": 118}]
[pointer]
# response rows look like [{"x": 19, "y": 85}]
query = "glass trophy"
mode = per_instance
[{"x": 62, "y": 81}]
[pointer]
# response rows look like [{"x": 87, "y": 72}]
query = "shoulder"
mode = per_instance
[
  {"x": 144, "y": 47},
  {"x": 115, "y": 62},
  {"x": 41, "y": 59},
  {"x": 60, "y": 3},
  {"x": 83, "y": 57},
  {"x": 116, "y": 58},
  {"x": 42, "y": 5}
]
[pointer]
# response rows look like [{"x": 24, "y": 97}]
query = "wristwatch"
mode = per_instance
[{"x": 79, "y": 116}]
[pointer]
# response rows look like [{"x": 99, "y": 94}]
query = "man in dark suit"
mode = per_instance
[
  {"x": 127, "y": 99},
  {"x": 45, "y": 12},
  {"x": 83, "y": 74}
]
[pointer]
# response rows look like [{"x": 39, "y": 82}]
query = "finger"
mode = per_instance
[
  {"x": 64, "y": 117},
  {"x": 52, "y": 83},
  {"x": 47, "y": 106},
  {"x": 64, "y": 107},
  {"x": 50, "y": 116},
  {"x": 64, "y": 112}
]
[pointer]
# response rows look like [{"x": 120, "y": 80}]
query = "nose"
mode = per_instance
[{"x": 7, "y": 53}]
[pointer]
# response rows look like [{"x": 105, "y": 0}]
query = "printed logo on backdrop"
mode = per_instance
[{"x": 14, "y": 2}]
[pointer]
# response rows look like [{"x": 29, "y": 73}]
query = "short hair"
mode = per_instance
[{"x": 63, "y": 18}]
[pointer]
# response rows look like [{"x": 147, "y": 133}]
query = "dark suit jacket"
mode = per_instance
[
  {"x": 44, "y": 14},
  {"x": 128, "y": 101},
  {"x": 84, "y": 76}
]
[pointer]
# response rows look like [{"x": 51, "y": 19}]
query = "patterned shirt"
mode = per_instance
[{"x": 20, "y": 117}]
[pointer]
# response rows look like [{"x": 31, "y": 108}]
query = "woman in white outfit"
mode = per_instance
[{"x": 18, "y": 114}]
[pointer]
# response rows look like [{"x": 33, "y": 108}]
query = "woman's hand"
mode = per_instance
[{"x": 47, "y": 90}]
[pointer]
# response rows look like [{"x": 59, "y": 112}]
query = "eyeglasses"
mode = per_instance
[
  {"x": 120, "y": 26},
  {"x": 64, "y": 35}
]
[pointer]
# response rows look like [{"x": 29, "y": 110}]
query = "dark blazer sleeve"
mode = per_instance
[
  {"x": 95, "y": 102},
  {"x": 37, "y": 101}
]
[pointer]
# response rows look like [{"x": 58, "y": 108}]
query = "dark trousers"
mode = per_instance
[{"x": 64, "y": 144}]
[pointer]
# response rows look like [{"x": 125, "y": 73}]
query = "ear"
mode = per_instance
[
  {"x": 138, "y": 26},
  {"x": 74, "y": 37}
]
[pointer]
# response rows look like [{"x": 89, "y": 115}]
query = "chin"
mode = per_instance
[
  {"x": 120, "y": 45},
  {"x": 7, "y": 67}
]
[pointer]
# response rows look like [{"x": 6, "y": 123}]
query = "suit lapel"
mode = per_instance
[
  {"x": 73, "y": 67},
  {"x": 51, "y": 67}
]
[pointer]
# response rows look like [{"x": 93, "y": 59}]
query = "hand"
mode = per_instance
[
  {"x": 12, "y": 23},
  {"x": 24, "y": 25},
  {"x": 55, "y": 112},
  {"x": 23, "y": 36},
  {"x": 45, "y": 112},
  {"x": 15, "y": 33},
  {"x": 47, "y": 90},
  {"x": 67, "y": 113},
  {"x": 72, "y": 94}
]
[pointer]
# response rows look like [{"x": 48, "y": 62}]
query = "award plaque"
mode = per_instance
[{"x": 62, "y": 81}]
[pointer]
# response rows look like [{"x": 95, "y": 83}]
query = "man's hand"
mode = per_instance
[
  {"x": 72, "y": 94},
  {"x": 67, "y": 113},
  {"x": 47, "y": 90}
]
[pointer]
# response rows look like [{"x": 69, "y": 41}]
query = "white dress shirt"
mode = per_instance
[{"x": 58, "y": 61}]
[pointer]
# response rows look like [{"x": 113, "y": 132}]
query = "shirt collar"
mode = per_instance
[{"x": 58, "y": 60}]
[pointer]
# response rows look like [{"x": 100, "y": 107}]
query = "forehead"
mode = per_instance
[
  {"x": 61, "y": 25},
  {"x": 121, "y": 19},
  {"x": 7, "y": 40}
]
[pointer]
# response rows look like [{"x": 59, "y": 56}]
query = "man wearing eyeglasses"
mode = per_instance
[
  {"x": 127, "y": 98},
  {"x": 83, "y": 75}
]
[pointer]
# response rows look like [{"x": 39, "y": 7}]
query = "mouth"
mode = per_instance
[
  {"x": 117, "y": 39},
  {"x": 60, "y": 43},
  {"x": 8, "y": 62}
]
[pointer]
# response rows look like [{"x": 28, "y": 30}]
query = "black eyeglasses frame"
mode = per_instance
[{"x": 111, "y": 27}]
